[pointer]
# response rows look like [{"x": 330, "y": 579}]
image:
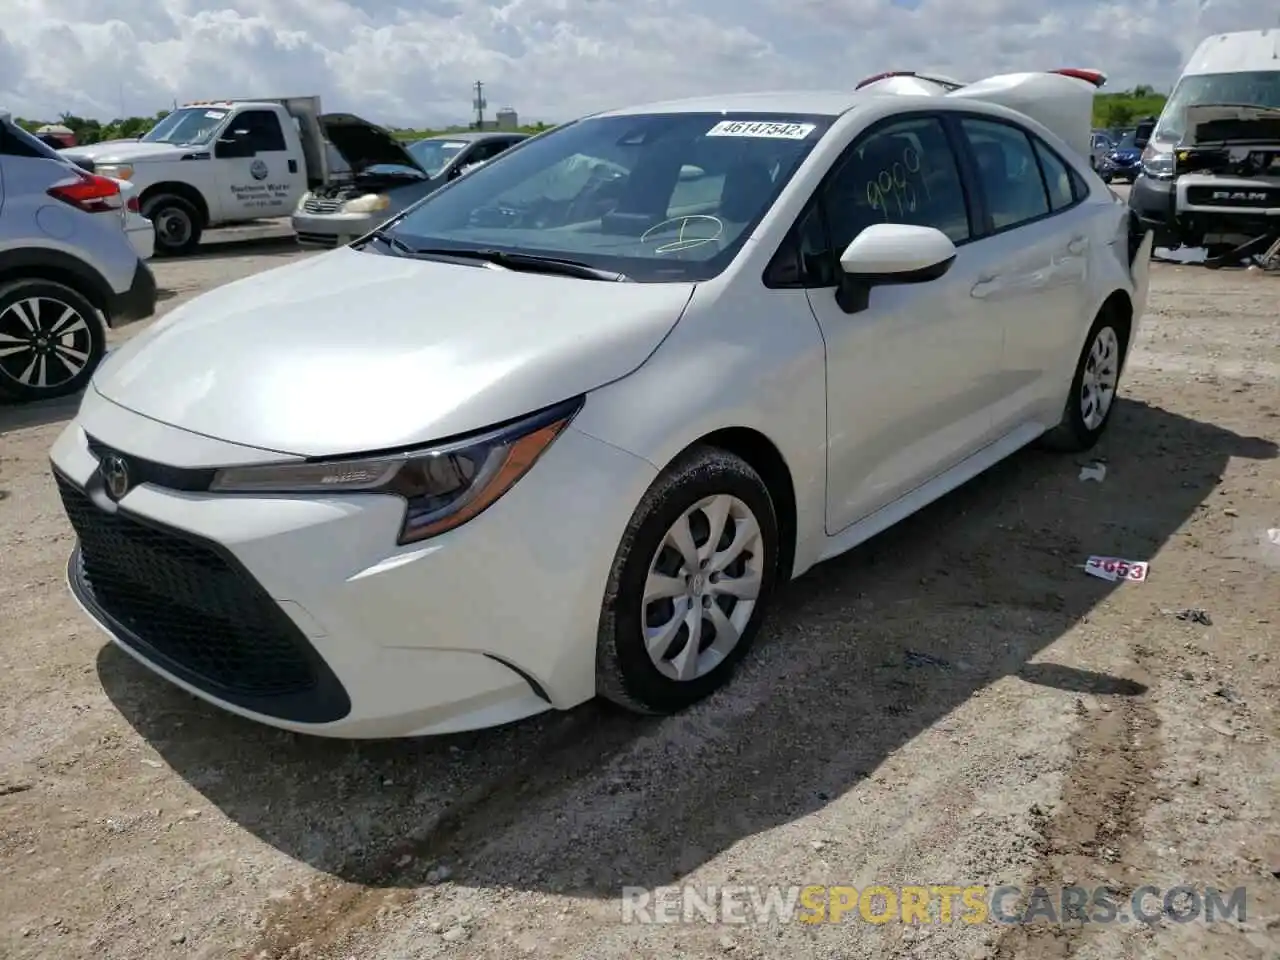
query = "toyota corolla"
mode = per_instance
[{"x": 562, "y": 428}]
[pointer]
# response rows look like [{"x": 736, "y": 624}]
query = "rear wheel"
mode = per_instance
[
  {"x": 1093, "y": 387},
  {"x": 51, "y": 339},
  {"x": 177, "y": 223},
  {"x": 689, "y": 586}
]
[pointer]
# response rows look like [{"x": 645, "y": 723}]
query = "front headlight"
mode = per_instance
[
  {"x": 369, "y": 203},
  {"x": 443, "y": 486},
  {"x": 120, "y": 171},
  {"x": 302, "y": 200},
  {"x": 1157, "y": 164}
]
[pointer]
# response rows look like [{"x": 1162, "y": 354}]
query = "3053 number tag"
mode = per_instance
[{"x": 1113, "y": 568}]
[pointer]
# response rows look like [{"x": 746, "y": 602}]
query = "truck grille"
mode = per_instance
[
  {"x": 1253, "y": 198},
  {"x": 192, "y": 610},
  {"x": 315, "y": 204}
]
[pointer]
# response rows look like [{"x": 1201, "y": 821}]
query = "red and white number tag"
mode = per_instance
[{"x": 1113, "y": 568}]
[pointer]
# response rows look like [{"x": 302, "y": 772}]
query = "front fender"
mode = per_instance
[{"x": 732, "y": 361}]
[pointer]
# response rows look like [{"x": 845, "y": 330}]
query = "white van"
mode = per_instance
[{"x": 1235, "y": 70}]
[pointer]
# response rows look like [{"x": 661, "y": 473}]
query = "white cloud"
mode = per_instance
[{"x": 411, "y": 62}]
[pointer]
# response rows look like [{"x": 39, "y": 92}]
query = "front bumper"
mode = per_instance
[
  {"x": 326, "y": 231},
  {"x": 1154, "y": 203},
  {"x": 356, "y": 637},
  {"x": 1113, "y": 169}
]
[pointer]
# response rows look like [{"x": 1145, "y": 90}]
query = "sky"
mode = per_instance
[{"x": 412, "y": 62}]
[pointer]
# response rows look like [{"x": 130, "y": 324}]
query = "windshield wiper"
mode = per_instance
[
  {"x": 530, "y": 262},
  {"x": 395, "y": 243}
]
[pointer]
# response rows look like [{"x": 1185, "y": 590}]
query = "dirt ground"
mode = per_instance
[{"x": 954, "y": 703}]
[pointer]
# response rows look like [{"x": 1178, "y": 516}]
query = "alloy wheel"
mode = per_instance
[
  {"x": 44, "y": 342},
  {"x": 702, "y": 586}
]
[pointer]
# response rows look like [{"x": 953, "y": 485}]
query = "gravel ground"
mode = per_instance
[{"x": 953, "y": 703}]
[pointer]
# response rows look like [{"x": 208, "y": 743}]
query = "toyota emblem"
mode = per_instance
[{"x": 115, "y": 476}]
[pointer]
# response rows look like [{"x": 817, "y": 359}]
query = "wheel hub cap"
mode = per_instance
[
  {"x": 1099, "y": 379},
  {"x": 702, "y": 587}
]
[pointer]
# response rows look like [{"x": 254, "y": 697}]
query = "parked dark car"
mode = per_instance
[{"x": 1124, "y": 162}]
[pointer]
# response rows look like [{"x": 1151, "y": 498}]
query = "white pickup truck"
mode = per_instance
[{"x": 213, "y": 163}]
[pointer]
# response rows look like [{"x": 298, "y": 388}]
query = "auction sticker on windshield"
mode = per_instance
[{"x": 761, "y": 128}]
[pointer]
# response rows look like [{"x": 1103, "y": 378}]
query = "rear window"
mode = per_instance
[{"x": 16, "y": 142}]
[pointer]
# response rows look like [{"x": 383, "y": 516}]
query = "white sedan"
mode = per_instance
[{"x": 562, "y": 428}]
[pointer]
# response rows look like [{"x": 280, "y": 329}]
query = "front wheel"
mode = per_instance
[
  {"x": 51, "y": 339},
  {"x": 1093, "y": 387},
  {"x": 177, "y": 224},
  {"x": 689, "y": 586}
]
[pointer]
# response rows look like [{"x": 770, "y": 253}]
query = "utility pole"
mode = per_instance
[{"x": 479, "y": 104}]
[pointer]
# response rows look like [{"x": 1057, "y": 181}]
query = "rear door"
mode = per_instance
[{"x": 1035, "y": 252}]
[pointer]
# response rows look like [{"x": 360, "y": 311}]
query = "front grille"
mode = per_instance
[
  {"x": 326, "y": 240},
  {"x": 191, "y": 609},
  {"x": 322, "y": 205},
  {"x": 1254, "y": 198}
]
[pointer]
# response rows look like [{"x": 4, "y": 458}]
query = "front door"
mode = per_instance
[
  {"x": 267, "y": 184},
  {"x": 912, "y": 380}
]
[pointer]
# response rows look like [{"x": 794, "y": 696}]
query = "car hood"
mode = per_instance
[
  {"x": 1128, "y": 154},
  {"x": 1211, "y": 123},
  {"x": 364, "y": 144},
  {"x": 132, "y": 151},
  {"x": 350, "y": 352}
]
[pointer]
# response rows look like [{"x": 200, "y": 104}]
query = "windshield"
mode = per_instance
[
  {"x": 188, "y": 125},
  {"x": 657, "y": 197},
  {"x": 432, "y": 155},
  {"x": 1256, "y": 88},
  {"x": 1126, "y": 142}
]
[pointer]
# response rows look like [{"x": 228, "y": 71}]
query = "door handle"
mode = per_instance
[
  {"x": 1078, "y": 245},
  {"x": 985, "y": 286}
]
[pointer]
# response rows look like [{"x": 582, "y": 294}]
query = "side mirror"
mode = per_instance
[
  {"x": 891, "y": 253},
  {"x": 233, "y": 148}
]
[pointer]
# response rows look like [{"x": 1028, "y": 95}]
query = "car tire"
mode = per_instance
[
  {"x": 1096, "y": 383},
  {"x": 177, "y": 224},
  {"x": 63, "y": 334},
  {"x": 702, "y": 484}
]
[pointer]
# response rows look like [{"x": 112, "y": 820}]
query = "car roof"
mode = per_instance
[{"x": 830, "y": 103}]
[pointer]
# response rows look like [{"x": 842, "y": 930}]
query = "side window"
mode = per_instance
[
  {"x": 803, "y": 259},
  {"x": 16, "y": 142},
  {"x": 261, "y": 129},
  {"x": 1057, "y": 177},
  {"x": 901, "y": 173},
  {"x": 487, "y": 151},
  {"x": 1079, "y": 189},
  {"x": 1008, "y": 171}
]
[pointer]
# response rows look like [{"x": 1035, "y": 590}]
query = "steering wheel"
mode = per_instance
[{"x": 683, "y": 242}]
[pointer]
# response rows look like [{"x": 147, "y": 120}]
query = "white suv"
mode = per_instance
[{"x": 68, "y": 270}]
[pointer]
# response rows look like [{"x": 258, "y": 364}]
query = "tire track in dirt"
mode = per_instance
[
  {"x": 322, "y": 915},
  {"x": 1107, "y": 792}
]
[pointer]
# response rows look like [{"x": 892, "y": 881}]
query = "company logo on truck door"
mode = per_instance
[{"x": 258, "y": 169}]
